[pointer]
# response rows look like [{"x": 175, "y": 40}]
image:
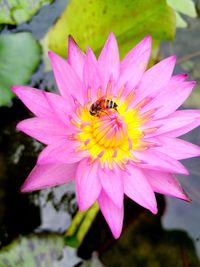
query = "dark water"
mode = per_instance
[{"x": 169, "y": 239}]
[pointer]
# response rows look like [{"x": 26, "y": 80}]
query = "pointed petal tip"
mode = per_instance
[
  {"x": 147, "y": 42},
  {"x": 181, "y": 194},
  {"x": 111, "y": 36},
  {"x": 154, "y": 210},
  {"x": 179, "y": 78},
  {"x": 183, "y": 75},
  {"x": 188, "y": 199},
  {"x": 184, "y": 196},
  {"x": 172, "y": 58},
  {"x": 19, "y": 126},
  {"x": 25, "y": 188},
  {"x": 14, "y": 88},
  {"x": 116, "y": 234},
  {"x": 185, "y": 172},
  {"x": 70, "y": 38},
  {"x": 193, "y": 83},
  {"x": 22, "y": 189},
  {"x": 71, "y": 41},
  {"x": 111, "y": 40},
  {"x": 148, "y": 38},
  {"x": 17, "y": 89},
  {"x": 51, "y": 55},
  {"x": 116, "y": 231},
  {"x": 89, "y": 51}
]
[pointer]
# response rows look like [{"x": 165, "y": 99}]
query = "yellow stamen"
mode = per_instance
[
  {"x": 130, "y": 97},
  {"x": 142, "y": 103},
  {"x": 112, "y": 137}
]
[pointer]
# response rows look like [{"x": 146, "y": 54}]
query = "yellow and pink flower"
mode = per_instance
[{"x": 132, "y": 149}]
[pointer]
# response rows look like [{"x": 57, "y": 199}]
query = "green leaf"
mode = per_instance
[
  {"x": 186, "y": 7},
  {"x": 180, "y": 22},
  {"x": 90, "y": 21},
  {"x": 32, "y": 251},
  {"x": 18, "y": 11},
  {"x": 19, "y": 58}
]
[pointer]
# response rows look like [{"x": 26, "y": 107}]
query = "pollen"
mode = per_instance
[{"x": 112, "y": 137}]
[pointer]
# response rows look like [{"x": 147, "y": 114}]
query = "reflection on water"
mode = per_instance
[
  {"x": 183, "y": 215},
  {"x": 57, "y": 205},
  {"x": 145, "y": 243},
  {"x": 180, "y": 214}
]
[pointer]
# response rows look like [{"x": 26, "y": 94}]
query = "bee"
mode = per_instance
[{"x": 101, "y": 106}]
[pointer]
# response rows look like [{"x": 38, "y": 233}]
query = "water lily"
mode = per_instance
[{"x": 112, "y": 128}]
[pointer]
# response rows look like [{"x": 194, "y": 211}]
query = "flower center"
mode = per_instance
[
  {"x": 112, "y": 134},
  {"x": 109, "y": 131}
]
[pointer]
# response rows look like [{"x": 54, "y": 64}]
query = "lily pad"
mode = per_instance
[
  {"x": 19, "y": 58},
  {"x": 90, "y": 22},
  {"x": 93, "y": 262},
  {"x": 38, "y": 251},
  {"x": 16, "y": 12},
  {"x": 186, "y": 7},
  {"x": 32, "y": 251}
]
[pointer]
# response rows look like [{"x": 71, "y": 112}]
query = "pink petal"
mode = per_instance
[
  {"x": 176, "y": 148},
  {"x": 139, "y": 49},
  {"x": 88, "y": 186},
  {"x": 134, "y": 64},
  {"x": 155, "y": 160},
  {"x": 61, "y": 151},
  {"x": 111, "y": 181},
  {"x": 137, "y": 187},
  {"x": 91, "y": 75},
  {"x": 75, "y": 57},
  {"x": 43, "y": 104},
  {"x": 109, "y": 61},
  {"x": 45, "y": 131},
  {"x": 156, "y": 78},
  {"x": 184, "y": 129},
  {"x": 176, "y": 124},
  {"x": 175, "y": 93},
  {"x": 44, "y": 176},
  {"x": 165, "y": 183},
  {"x": 179, "y": 78},
  {"x": 113, "y": 215},
  {"x": 67, "y": 80}
]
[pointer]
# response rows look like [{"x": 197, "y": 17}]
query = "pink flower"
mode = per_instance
[{"x": 113, "y": 128}]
